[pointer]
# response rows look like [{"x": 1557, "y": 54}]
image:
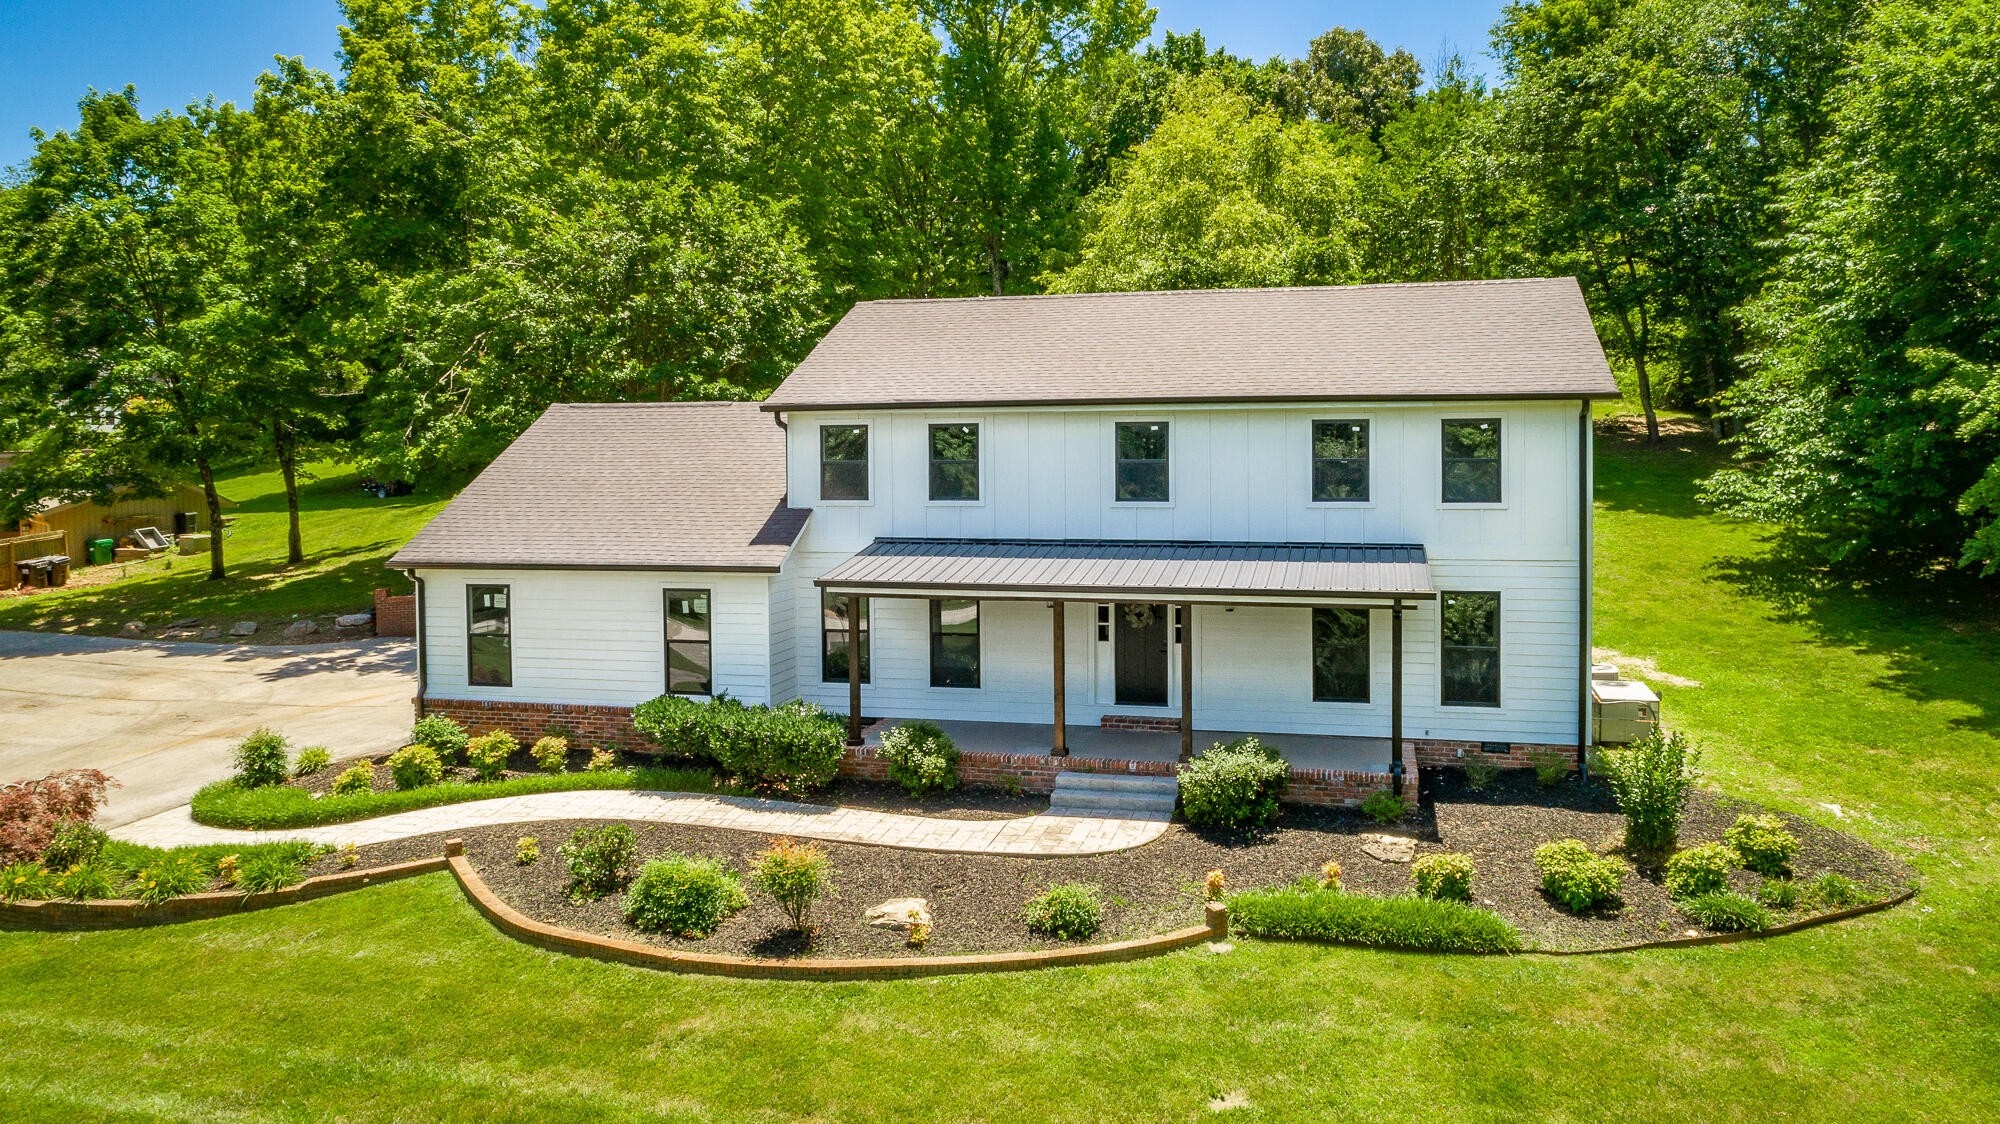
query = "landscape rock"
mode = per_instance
[
  {"x": 182, "y": 634},
  {"x": 186, "y": 622},
  {"x": 243, "y": 628},
  {"x": 133, "y": 628},
  {"x": 1390, "y": 848},
  {"x": 300, "y": 628},
  {"x": 354, "y": 620},
  {"x": 212, "y": 632},
  {"x": 900, "y": 914}
]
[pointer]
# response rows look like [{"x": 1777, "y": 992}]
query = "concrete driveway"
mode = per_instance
[{"x": 161, "y": 718}]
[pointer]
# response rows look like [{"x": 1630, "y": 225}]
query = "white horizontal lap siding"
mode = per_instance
[
  {"x": 1539, "y": 676},
  {"x": 783, "y": 647},
  {"x": 598, "y": 637}
]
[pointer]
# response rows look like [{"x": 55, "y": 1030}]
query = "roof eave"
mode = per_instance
[{"x": 1184, "y": 400}]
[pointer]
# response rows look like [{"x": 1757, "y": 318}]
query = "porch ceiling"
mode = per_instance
[{"x": 1107, "y": 569}]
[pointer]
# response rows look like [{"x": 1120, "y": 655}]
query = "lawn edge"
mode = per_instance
[{"x": 122, "y": 913}]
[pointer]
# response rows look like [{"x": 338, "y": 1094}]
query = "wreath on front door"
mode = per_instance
[{"x": 1138, "y": 616}]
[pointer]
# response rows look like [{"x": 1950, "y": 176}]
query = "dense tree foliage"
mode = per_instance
[{"x": 1779, "y": 210}]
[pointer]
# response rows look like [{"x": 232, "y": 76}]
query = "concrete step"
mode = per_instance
[
  {"x": 1115, "y": 782},
  {"x": 1114, "y": 796}
]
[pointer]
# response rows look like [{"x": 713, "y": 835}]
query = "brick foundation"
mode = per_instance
[
  {"x": 607, "y": 726},
  {"x": 1451, "y": 754},
  {"x": 1037, "y": 773},
  {"x": 1151, "y": 723},
  {"x": 395, "y": 616}
]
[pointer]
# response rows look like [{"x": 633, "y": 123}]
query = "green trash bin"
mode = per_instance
[{"x": 102, "y": 550}]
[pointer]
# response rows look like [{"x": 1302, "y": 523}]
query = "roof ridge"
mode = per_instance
[{"x": 989, "y": 299}]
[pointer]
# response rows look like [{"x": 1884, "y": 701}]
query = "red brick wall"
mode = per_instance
[
  {"x": 608, "y": 726},
  {"x": 1037, "y": 773},
  {"x": 395, "y": 616},
  {"x": 1434, "y": 754},
  {"x": 1151, "y": 722}
]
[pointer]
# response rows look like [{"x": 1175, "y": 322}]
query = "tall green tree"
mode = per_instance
[{"x": 1349, "y": 81}]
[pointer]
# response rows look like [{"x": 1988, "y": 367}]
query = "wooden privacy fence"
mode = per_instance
[{"x": 21, "y": 547}]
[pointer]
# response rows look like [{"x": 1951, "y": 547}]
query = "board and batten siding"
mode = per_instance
[{"x": 597, "y": 636}]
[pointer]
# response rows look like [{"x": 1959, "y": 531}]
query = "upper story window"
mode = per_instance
[
  {"x": 1340, "y": 461},
  {"x": 689, "y": 666},
  {"x": 1469, "y": 657},
  {"x": 843, "y": 462},
  {"x": 955, "y": 461},
  {"x": 1340, "y": 655},
  {"x": 1142, "y": 462},
  {"x": 489, "y": 636},
  {"x": 1472, "y": 461}
]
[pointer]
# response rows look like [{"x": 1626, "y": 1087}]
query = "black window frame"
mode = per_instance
[
  {"x": 706, "y": 643},
  {"x": 1121, "y": 463},
  {"x": 828, "y": 634},
  {"x": 473, "y": 592},
  {"x": 827, "y": 465},
  {"x": 1448, "y": 651},
  {"x": 1324, "y": 690},
  {"x": 942, "y": 467},
  {"x": 1446, "y": 462},
  {"x": 1323, "y": 466},
  {"x": 940, "y": 670}
]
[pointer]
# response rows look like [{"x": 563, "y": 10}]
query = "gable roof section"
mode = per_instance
[
  {"x": 628, "y": 486},
  {"x": 1528, "y": 338}
]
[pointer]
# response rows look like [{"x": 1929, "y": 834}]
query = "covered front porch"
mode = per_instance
[{"x": 1324, "y": 752}]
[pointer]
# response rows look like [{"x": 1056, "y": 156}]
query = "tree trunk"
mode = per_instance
[
  {"x": 215, "y": 570},
  {"x": 1646, "y": 396},
  {"x": 283, "y": 439},
  {"x": 997, "y": 266}
]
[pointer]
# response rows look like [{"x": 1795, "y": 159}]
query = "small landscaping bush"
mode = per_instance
[
  {"x": 1764, "y": 844},
  {"x": 683, "y": 895},
  {"x": 1212, "y": 885},
  {"x": 1234, "y": 784},
  {"x": 528, "y": 850},
  {"x": 1329, "y": 875},
  {"x": 1480, "y": 773},
  {"x": 1307, "y": 913},
  {"x": 349, "y": 856},
  {"x": 74, "y": 843},
  {"x": 170, "y": 877},
  {"x": 921, "y": 757},
  {"x": 600, "y": 860},
  {"x": 1385, "y": 807},
  {"x": 357, "y": 779},
  {"x": 1551, "y": 766},
  {"x": 678, "y": 724},
  {"x": 1578, "y": 877},
  {"x": 263, "y": 758},
  {"x": 226, "y": 868},
  {"x": 1067, "y": 911},
  {"x": 26, "y": 881},
  {"x": 796, "y": 875},
  {"x": 1445, "y": 877},
  {"x": 30, "y": 812},
  {"x": 443, "y": 735},
  {"x": 550, "y": 752},
  {"x": 273, "y": 868},
  {"x": 1779, "y": 893},
  {"x": 311, "y": 760},
  {"x": 601, "y": 760},
  {"x": 85, "y": 882},
  {"x": 790, "y": 748},
  {"x": 488, "y": 753},
  {"x": 1701, "y": 870},
  {"x": 413, "y": 766},
  {"x": 1652, "y": 779},
  {"x": 1726, "y": 912},
  {"x": 1832, "y": 891}
]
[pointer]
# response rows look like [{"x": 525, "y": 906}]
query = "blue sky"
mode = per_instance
[{"x": 177, "y": 51}]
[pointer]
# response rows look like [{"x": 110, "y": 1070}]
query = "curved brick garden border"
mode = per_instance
[{"x": 125, "y": 913}]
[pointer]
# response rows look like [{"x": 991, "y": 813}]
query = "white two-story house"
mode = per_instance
[{"x": 1352, "y": 520}]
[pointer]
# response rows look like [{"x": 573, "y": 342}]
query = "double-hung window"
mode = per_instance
[
  {"x": 1340, "y": 461},
  {"x": 1472, "y": 461},
  {"x": 1469, "y": 656},
  {"x": 1340, "y": 655},
  {"x": 843, "y": 462},
  {"x": 1141, "y": 462},
  {"x": 954, "y": 643},
  {"x": 955, "y": 462},
  {"x": 489, "y": 636},
  {"x": 833, "y": 637},
  {"x": 689, "y": 666}
]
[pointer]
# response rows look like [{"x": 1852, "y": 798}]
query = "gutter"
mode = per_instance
[
  {"x": 423, "y": 649},
  {"x": 1584, "y": 438}
]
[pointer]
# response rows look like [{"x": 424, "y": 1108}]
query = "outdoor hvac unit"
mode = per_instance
[{"x": 1621, "y": 711}]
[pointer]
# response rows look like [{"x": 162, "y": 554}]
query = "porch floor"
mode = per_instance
[{"x": 1303, "y": 751}]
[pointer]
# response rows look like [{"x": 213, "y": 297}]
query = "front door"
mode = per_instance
[{"x": 1141, "y": 655}]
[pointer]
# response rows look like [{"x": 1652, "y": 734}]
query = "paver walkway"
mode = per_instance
[{"x": 1042, "y": 835}]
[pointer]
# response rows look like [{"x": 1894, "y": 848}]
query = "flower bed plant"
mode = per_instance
[
  {"x": 1069, "y": 911},
  {"x": 227, "y": 804},
  {"x": 1309, "y": 912},
  {"x": 1578, "y": 877},
  {"x": 684, "y": 896},
  {"x": 921, "y": 757},
  {"x": 1234, "y": 784},
  {"x": 1445, "y": 876}
]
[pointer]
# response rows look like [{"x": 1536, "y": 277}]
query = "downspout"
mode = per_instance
[
  {"x": 423, "y": 650},
  {"x": 1583, "y": 578}
]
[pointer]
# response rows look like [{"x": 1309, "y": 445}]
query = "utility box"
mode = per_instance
[{"x": 1622, "y": 711}]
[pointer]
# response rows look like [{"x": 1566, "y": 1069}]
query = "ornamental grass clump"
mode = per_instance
[
  {"x": 1480, "y": 774},
  {"x": 1764, "y": 844},
  {"x": 550, "y": 752},
  {"x": 921, "y": 757},
  {"x": 600, "y": 860},
  {"x": 274, "y": 868},
  {"x": 1234, "y": 784},
  {"x": 413, "y": 766},
  {"x": 1577, "y": 877},
  {"x": 1551, "y": 766},
  {"x": 1443, "y": 877},
  {"x": 683, "y": 895},
  {"x": 26, "y": 881},
  {"x": 1831, "y": 891},
  {"x": 445, "y": 736},
  {"x": 311, "y": 760},
  {"x": 1726, "y": 912},
  {"x": 1652, "y": 779},
  {"x": 263, "y": 758},
  {"x": 1305, "y": 912},
  {"x": 1067, "y": 911},
  {"x": 796, "y": 875},
  {"x": 488, "y": 753},
  {"x": 1385, "y": 807},
  {"x": 1702, "y": 870},
  {"x": 84, "y": 882},
  {"x": 359, "y": 778},
  {"x": 169, "y": 877}
]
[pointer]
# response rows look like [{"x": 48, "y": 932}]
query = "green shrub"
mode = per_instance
[
  {"x": 1701, "y": 870},
  {"x": 1446, "y": 876},
  {"x": 921, "y": 757},
  {"x": 263, "y": 758},
  {"x": 445, "y": 737},
  {"x": 312, "y": 759},
  {"x": 1764, "y": 844},
  {"x": 528, "y": 850},
  {"x": 357, "y": 779},
  {"x": 1234, "y": 784},
  {"x": 600, "y": 860},
  {"x": 75, "y": 843},
  {"x": 1652, "y": 779},
  {"x": 85, "y": 882},
  {"x": 1480, "y": 773},
  {"x": 170, "y": 877},
  {"x": 1312, "y": 913},
  {"x": 796, "y": 875},
  {"x": 26, "y": 881},
  {"x": 551, "y": 752},
  {"x": 683, "y": 895},
  {"x": 603, "y": 761},
  {"x": 791, "y": 748},
  {"x": 1832, "y": 891},
  {"x": 1576, "y": 876},
  {"x": 1779, "y": 893},
  {"x": 1384, "y": 806},
  {"x": 273, "y": 869},
  {"x": 415, "y": 766},
  {"x": 1726, "y": 912},
  {"x": 223, "y": 804},
  {"x": 1067, "y": 911},
  {"x": 678, "y": 724},
  {"x": 488, "y": 753},
  {"x": 1551, "y": 766}
]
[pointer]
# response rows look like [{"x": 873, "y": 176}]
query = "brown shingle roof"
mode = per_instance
[
  {"x": 1529, "y": 338},
  {"x": 634, "y": 486}
]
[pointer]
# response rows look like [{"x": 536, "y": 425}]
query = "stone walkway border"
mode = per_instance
[{"x": 1041, "y": 836}]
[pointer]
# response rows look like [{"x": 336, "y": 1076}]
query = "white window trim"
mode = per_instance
[
  {"x": 1374, "y": 429},
  {"x": 1507, "y": 489},
  {"x": 1112, "y": 502},
  {"x": 985, "y": 474},
  {"x": 819, "y": 462}
]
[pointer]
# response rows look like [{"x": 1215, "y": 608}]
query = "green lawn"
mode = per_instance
[
  {"x": 398, "y": 1001},
  {"x": 347, "y": 534}
]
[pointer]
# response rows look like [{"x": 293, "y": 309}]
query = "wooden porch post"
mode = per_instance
[
  {"x": 1187, "y": 682},
  {"x": 853, "y": 669},
  {"x": 1061, "y": 687},
  {"x": 1396, "y": 695}
]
